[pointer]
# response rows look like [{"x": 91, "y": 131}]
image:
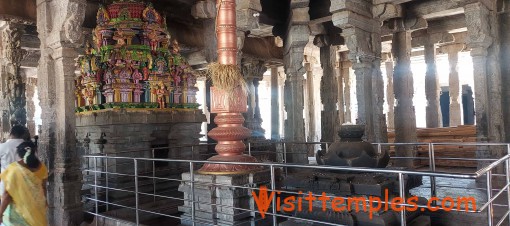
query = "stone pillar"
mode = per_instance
[
  {"x": 405, "y": 116},
  {"x": 329, "y": 95},
  {"x": 482, "y": 27},
  {"x": 345, "y": 67},
  {"x": 15, "y": 87},
  {"x": 275, "y": 105},
  {"x": 362, "y": 35},
  {"x": 433, "y": 115},
  {"x": 59, "y": 27},
  {"x": 294, "y": 44},
  {"x": 340, "y": 91},
  {"x": 254, "y": 72},
  {"x": 453, "y": 80},
  {"x": 311, "y": 103},
  {"x": 390, "y": 95},
  {"x": 30, "y": 92}
]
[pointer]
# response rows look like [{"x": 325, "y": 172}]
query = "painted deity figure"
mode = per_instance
[
  {"x": 108, "y": 77},
  {"x": 161, "y": 66},
  {"x": 137, "y": 76},
  {"x": 153, "y": 40},
  {"x": 120, "y": 38},
  {"x": 160, "y": 92},
  {"x": 89, "y": 94},
  {"x": 145, "y": 72},
  {"x": 175, "y": 47},
  {"x": 125, "y": 75}
]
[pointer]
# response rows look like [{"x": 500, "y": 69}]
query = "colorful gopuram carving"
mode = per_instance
[{"x": 133, "y": 63}]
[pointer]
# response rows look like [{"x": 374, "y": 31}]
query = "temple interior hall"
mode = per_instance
[{"x": 263, "y": 112}]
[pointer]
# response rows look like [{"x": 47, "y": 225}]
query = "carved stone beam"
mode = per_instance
[
  {"x": 436, "y": 38},
  {"x": 387, "y": 11},
  {"x": 248, "y": 14},
  {"x": 204, "y": 9}
]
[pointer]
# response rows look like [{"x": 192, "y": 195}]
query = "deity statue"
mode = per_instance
[
  {"x": 120, "y": 38},
  {"x": 108, "y": 77},
  {"x": 88, "y": 48},
  {"x": 153, "y": 40},
  {"x": 137, "y": 76},
  {"x": 160, "y": 91},
  {"x": 145, "y": 71},
  {"x": 175, "y": 47},
  {"x": 89, "y": 93}
]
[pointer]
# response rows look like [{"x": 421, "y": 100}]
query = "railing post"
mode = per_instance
[
  {"x": 379, "y": 149},
  {"x": 192, "y": 188},
  {"x": 153, "y": 176},
  {"x": 249, "y": 148},
  {"x": 107, "y": 186},
  {"x": 95, "y": 189},
  {"x": 402, "y": 193},
  {"x": 507, "y": 172},
  {"x": 285, "y": 155},
  {"x": 489, "y": 197},
  {"x": 432, "y": 163},
  {"x": 273, "y": 188},
  {"x": 136, "y": 192}
]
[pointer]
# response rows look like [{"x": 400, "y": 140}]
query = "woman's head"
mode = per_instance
[{"x": 26, "y": 151}]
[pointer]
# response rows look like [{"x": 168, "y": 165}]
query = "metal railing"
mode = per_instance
[{"x": 101, "y": 182}]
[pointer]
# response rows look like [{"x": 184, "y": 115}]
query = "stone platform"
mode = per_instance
[
  {"x": 217, "y": 203},
  {"x": 134, "y": 133}
]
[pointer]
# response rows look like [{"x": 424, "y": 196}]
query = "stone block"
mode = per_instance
[
  {"x": 300, "y": 16},
  {"x": 360, "y": 7}
]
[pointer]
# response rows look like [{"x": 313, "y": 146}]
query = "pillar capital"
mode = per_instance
[{"x": 477, "y": 19}]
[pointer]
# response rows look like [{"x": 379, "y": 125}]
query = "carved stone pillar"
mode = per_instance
[
  {"x": 433, "y": 116},
  {"x": 294, "y": 44},
  {"x": 482, "y": 35},
  {"x": 340, "y": 92},
  {"x": 329, "y": 95},
  {"x": 361, "y": 32},
  {"x": 390, "y": 94},
  {"x": 275, "y": 105},
  {"x": 311, "y": 103},
  {"x": 30, "y": 92},
  {"x": 344, "y": 67},
  {"x": 405, "y": 116},
  {"x": 254, "y": 72},
  {"x": 15, "y": 89},
  {"x": 453, "y": 80},
  {"x": 59, "y": 27}
]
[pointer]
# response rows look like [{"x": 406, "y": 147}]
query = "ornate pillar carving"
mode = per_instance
[
  {"x": 361, "y": 32},
  {"x": 30, "y": 93},
  {"x": 454, "y": 84},
  {"x": 433, "y": 114},
  {"x": 59, "y": 27},
  {"x": 405, "y": 116},
  {"x": 390, "y": 95},
  {"x": 294, "y": 44},
  {"x": 254, "y": 72},
  {"x": 311, "y": 103},
  {"x": 15, "y": 87},
  {"x": 482, "y": 39},
  {"x": 344, "y": 67},
  {"x": 275, "y": 104},
  {"x": 329, "y": 95}
]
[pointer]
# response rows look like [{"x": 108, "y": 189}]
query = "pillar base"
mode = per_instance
[{"x": 227, "y": 169}]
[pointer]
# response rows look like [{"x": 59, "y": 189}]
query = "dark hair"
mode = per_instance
[
  {"x": 31, "y": 160},
  {"x": 18, "y": 131}
]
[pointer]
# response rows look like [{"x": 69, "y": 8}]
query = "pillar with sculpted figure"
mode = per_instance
[
  {"x": 15, "y": 87},
  {"x": 405, "y": 115},
  {"x": 363, "y": 39},
  {"x": 56, "y": 72}
]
